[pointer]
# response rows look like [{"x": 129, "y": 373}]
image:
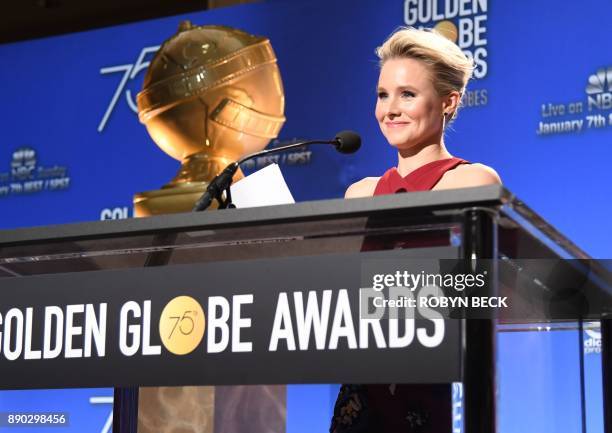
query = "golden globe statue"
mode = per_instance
[{"x": 211, "y": 95}]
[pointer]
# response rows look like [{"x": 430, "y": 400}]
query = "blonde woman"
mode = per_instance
[{"x": 422, "y": 79}]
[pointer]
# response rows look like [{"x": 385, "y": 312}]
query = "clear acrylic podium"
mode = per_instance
[{"x": 468, "y": 225}]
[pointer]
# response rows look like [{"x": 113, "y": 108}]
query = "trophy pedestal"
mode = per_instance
[{"x": 173, "y": 199}]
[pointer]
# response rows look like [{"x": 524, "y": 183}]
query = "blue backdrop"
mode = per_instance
[
  {"x": 68, "y": 99},
  {"x": 539, "y": 111}
]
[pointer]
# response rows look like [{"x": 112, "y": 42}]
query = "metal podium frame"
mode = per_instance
[{"x": 482, "y": 213}]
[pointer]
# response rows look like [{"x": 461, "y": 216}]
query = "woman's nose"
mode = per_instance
[{"x": 393, "y": 108}]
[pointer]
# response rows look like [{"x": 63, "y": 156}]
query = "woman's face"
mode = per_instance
[{"x": 408, "y": 108}]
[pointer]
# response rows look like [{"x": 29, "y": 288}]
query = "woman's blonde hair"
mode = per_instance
[{"x": 451, "y": 68}]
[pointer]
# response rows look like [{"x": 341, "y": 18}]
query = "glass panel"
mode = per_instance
[
  {"x": 76, "y": 410},
  {"x": 539, "y": 379},
  {"x": 242, "y": 243},
  {"x": 593, "y": 377},
  {"x": 294, "y": 408}
]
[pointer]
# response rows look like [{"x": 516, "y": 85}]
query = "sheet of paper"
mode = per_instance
[{"x": 265, "y": 187}]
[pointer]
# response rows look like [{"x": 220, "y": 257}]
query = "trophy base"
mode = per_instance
[{"x": 169, "y": 200}]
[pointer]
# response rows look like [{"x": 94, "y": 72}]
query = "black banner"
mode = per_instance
[{"x": 290, "y": 320}]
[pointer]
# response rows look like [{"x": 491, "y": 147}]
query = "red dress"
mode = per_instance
[
  {"x": 398, "y": 408},
  {"x": 423, "y": 178}
]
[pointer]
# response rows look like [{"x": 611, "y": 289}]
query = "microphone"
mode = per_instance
[{"x": 345, "y": 142}]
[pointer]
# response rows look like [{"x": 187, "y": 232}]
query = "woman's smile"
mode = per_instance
[{"x": 395, "y": 124}]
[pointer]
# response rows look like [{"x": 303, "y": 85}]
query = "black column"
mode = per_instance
[
  {"x": 125, "y": 403},
  {"x": 480, "y": 243},
  {"x": 606, "y": 367},
  {"x": 125, "y": 410}
]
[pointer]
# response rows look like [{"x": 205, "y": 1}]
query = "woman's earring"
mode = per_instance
[{"x": 444, "y": 114}]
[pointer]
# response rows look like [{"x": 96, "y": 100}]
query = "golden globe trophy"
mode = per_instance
[{"x": 211, "y": 95}]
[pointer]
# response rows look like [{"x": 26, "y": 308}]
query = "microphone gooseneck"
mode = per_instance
[
  {"x": 345, "y": 142},
  {"x": 215, "y": 189}
]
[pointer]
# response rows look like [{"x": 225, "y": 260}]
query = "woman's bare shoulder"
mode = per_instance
[
  {"x": 363, "y": 188},
  {"x": 467, "y": 175}
]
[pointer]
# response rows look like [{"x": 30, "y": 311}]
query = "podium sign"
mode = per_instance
[{"x": 235, "y": 322}]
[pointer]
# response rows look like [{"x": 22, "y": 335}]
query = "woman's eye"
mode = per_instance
[
  {"x": 407, "y": 94},
  {"x": 382, "y": 95}
]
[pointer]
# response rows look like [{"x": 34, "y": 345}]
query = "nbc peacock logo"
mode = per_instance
[
  {"x": 599, "y": 89},
  {"x": 592, "y": 344},
  {"x": 23, "y": 165}
]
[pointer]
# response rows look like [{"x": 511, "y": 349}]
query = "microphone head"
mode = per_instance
[{"x": 348, "y": 142}]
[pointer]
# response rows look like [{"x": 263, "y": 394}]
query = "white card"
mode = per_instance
[{"x": 265, "y": 187}]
